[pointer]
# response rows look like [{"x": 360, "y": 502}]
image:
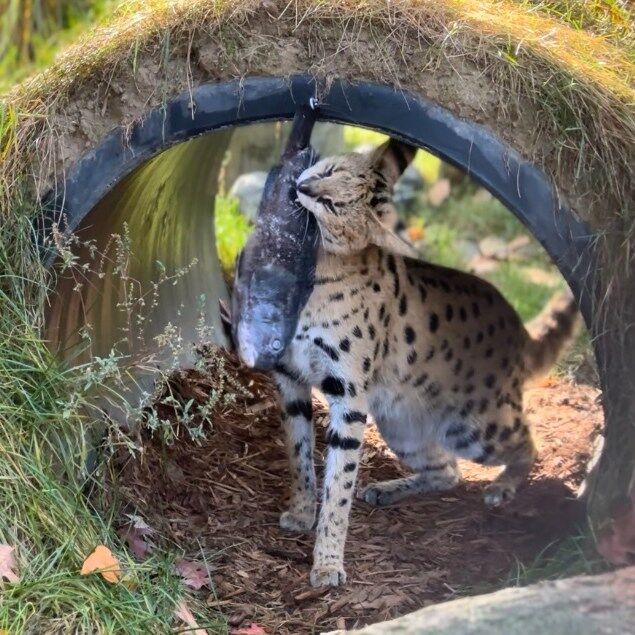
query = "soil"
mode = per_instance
[{"x": 222, "y": 497}]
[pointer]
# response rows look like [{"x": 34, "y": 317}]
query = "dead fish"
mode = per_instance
[{"x": 276, "y": 268}]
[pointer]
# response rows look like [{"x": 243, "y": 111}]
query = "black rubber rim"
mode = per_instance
[{"x": 520, "y": 185}]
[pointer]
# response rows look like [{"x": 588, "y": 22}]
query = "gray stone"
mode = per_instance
[
  {"x": 583, "y": 605},
  {"x": 248, "y": 189}
]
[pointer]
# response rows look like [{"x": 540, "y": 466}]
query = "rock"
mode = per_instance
[
  {"x": 492, "y": 247},
  {"x": 468, "y": 249},
  {"x": 583, "y": 605},
  {"x": 440, "y": 191},
  {"x": 248, "y": 189}
]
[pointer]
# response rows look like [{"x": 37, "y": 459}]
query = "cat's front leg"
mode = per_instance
[
  {"x": 345, "y": 435},
  {"x": 295, "y": 402}
]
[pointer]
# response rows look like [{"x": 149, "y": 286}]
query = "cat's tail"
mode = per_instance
[{"x": 549, "y": 331}]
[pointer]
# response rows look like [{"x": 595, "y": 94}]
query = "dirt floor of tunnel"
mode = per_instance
[{"x": 222, "y": 496}]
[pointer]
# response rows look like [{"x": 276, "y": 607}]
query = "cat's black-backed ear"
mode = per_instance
[{"x": 392, "y": 158}]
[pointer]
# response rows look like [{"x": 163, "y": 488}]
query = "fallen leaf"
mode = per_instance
[
  {"x": 183, "y": 612},
  {"x": 195, "y": 575},
  {"x": 102, "y": 561},
  {"x": 136, "y": 536},
  {"x": 415, "y": 233},
  {"x": 252, "y": 629},
  {"x": 8, "y": 564}
]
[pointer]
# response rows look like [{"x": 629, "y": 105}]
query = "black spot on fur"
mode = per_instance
[
  {"x": 334, "y": 440},
  {"x": 382, "y": 311},
  {"x": 423, "y": 294},
  {"x": 336, "y": 297},
  {"x": 371, "y": 331},
  {"x": 430, "y": 354},
  {"x": 366, "y": 364},
  {"x": 354, "y": 416},
  {"x": 376, "y": 287},
  {"x": 479, "y": 337},
  {"x": 333, "y": 386},
  {"x": 467, "y": 408},
  {"x": 409, "y": 334},
  {"x": 458, "y": 365},
  {"x": 467, "y": 342},
  {"x": 422, "y": 379},
  {"x": 491, "y": 329},
  {"x": 434, "y": 322},
  {"x": 483, "y": 407},
  {"x": 352, "y": 391},
  {"x": 412, "y": 357},
  {"x": 299, "y": 407},
  {"x": 490, "y": 431},
  {"x": 449, "y": 312},
  {"x": 490, "y": 380},
  {"x": 505, "y": 434},
  {"x": 329, "y": 350},
  {"x": 357, "y": 332},
  {"x": 463, "y": 314},
  {"x": 489, "y": 352},
  {"x": 456, "y": 429},
  {"x": 350, "y": 467},
  {"x": 403, "y": 305},
  {"x": 449, "y": 354},
  {"x": 345, "y": 344},
  {"x": 476, "y": 311}
]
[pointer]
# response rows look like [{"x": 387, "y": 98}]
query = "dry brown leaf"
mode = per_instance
[
  {"x": 8, "y": 564},
  {"x": 104, "y": 562},
  {"x": 183, "y": 612}
]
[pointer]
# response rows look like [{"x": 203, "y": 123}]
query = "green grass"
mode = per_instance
[
  {"x": 45, "y": 439},
  {"x": 570, "y": 556},
  {"x": 231, "y": 228},
  {"x": 53, "y": 26}
]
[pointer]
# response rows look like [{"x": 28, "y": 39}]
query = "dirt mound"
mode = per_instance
[{"x": 223, "y": 496}]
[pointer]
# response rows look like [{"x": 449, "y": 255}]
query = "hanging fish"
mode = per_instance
[{"x": 275, "y": 270}]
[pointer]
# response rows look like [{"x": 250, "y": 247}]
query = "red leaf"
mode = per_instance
[
  {"x": 252, "y": 629},
  {"x": 8, "y": 564},
  {"x": 137, "y": 536},
  {"x": 195, "y": 575}
]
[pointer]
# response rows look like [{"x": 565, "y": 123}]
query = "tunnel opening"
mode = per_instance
[{"x": 144, "y": 207}]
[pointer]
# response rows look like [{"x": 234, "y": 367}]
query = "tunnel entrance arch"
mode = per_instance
[{"x": 519, "y": 184}]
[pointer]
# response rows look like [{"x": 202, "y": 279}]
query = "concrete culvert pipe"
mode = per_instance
[{"x": 135, "y": 150}]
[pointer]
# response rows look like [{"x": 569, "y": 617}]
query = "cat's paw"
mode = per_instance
[
  {"x": 294, "y": 520},
  {"x": 328, "y": 575},
  {"x": 498, "y": 494}
]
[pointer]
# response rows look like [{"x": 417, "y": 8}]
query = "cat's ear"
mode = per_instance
[
  {"x": 385, "y": 238},
  {"x": 392, "y": 158}
]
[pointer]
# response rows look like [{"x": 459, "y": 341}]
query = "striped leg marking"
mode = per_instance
[
  {"x": 295, "y": 400},
  {"x": 345, "y": 436}
]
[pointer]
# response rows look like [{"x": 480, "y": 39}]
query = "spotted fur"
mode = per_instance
[{"x": 436, "y": 356}]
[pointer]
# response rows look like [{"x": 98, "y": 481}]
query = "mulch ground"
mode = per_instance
[{"x": 222, "y": 497}]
